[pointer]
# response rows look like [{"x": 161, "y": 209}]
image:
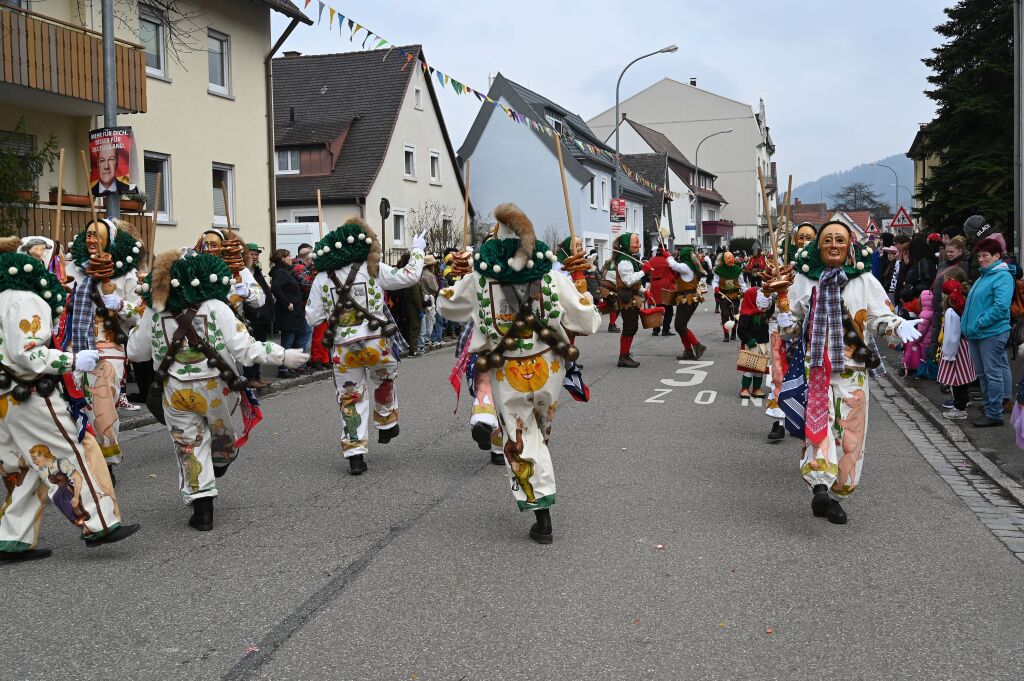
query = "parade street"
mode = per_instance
[{"x": 684, "y": 548}]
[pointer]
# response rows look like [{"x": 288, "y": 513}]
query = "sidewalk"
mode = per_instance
[{"x": 998, "y": 445}]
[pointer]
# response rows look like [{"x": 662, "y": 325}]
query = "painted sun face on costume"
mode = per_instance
[
  {"x": 96, "y": 238},
  {"x": 367, "y": 357},
  {"x": 729, "y": 259},
  {"x": 804, "y": 236},
  {"x": 834, "y": 245},
  {"x": 212, "y": 242},
  {"x": 527, "y": 374}
]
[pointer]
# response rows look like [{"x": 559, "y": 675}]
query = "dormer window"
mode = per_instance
[
  {"x": 288, "y": 162},
  {"x": 554, "y": 123}
]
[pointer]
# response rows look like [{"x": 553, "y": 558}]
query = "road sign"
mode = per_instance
[
  {"x": 902, "y": 220},
  {"x": 872, "y": 227}
]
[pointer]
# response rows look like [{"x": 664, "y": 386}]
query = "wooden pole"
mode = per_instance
[
  {"x": 55, "y": 232},
  {"x": 151, "y": 236},
  {"x": 767, "y": 206},
  {"x": 227, "y": 203},
  {"x": 88, "y": 189},
  {"x": 465, "y": 214},
  {"x": 789, "y": 216},
  {"x": 565, "y": 193},
  {"x": 320, "y": 214}
]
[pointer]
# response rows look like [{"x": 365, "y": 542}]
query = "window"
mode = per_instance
[
  {"x": 19, "y": 145},
  {"x": 693, "y": 214},
  {"x": 306, "y": 218},
  {"x": 435, "y": 167},
  {"x": 711, "y": 214},
  {"x": 604, "y": 194},
  {"x": 410, "y": 162},
  {"x": 218, "y": 51},
  {"x": 158, "y": 166},
  {"x": 554, "y": 123},
  {"x": 151, "y": 35},
  {"x": 223, "y": 181},
  {"x": 446, "y": 226},
  {"x": 593, "y": 197},
  {"x": 398, "y": 227},
  {"x": 288, "y": 162},
  {"x": 418, "y": 98}
]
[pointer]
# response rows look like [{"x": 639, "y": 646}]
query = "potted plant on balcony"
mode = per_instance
[
  {"x": 135, "y": 201},
  {"x": 21, "y": 164},
  {"x": 69, "y": 199}
]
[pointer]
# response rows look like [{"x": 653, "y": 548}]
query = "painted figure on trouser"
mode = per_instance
[
  {"x": 729, "y": 286},
  {"x": 348, "y": 294},
  {"x": 523, "y": 316},
  {"x": 195, "y": 342},
  {"x": 834, "y": 302},
  {"x": 103, "y": 307},
  {"x": 624, "y": 286},
  {"x": 46, "y": 449}
]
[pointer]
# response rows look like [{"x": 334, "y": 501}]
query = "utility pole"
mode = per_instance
[
  {"x": 1018, "y": 127},
  {"x": 113, "y": 201}
]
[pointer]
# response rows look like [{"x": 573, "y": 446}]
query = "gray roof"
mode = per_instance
[
  {"x": 653, "y": 167},
  {"x": 356, "y": 93},
  {"x": 676, "y": 160}
]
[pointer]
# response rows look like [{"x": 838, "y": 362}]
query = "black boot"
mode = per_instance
[
  {"x": 699, "y": 350},
  {"x": 117, "y": 534},
  {"x": 497, "y": 458},
  {"x": 110, "y": 470},
  {"x": 628, "y": 361},
  {"x": 733, "y": 333},
  {"x": 778, "y": 432},
  {"x": 482, "y": 435},
  {"x": 656, "y": 332},
  {"x": 23, "y": 556},
  {"x": 386, "y": 436},
  {"x": 612, "y": 328},
  {"x": 356, "y": 465},
  {"x": 687, "y": 354},
  {"x": 725, "y": 338},
  {"x": 540, "y": 531},
  {"x": 821, "y": 502},
  {"x": 836, "y": 514},
  {"x": 202, "y": 514}
]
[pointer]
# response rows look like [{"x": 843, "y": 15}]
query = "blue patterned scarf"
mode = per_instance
[
  {"x": 828, "y": 320},
  {"x": 81, "y": 324}
]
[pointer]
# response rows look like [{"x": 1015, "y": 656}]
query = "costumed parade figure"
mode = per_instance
[
  {"x": 524, "y": 315},
  {"x": 623, "y": 287},
  {"x": 46, "y": 449},
  {"x": 348, "y": 293},
  {"x": 685, "y": 295},
  {"x": 103, "y": 307},
  {"x": 194, "y": 339},
  {"x": 834, "y": 302},
  {"x": 225, "y": 244},
  {"x": 729, "y": 285},
  {"x": 752, "y": 328}
]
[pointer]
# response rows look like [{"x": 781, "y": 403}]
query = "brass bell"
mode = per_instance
[
  {"x": 562, "y": 348},
  {"x": 389, "y": 330},
  {"x": 5, "y": 380},
  {"x": 547, "y": 335},
  {"x": 861, "y": 354},
  {"x": 45, "y": 386},
  {"x": 519, "y": 325},
  {"x": 227, "y": 375},
  {"x": 496, "y": 359},
  {"x": 873, "y": 361},
  {"x": 530, "y": 320},
  {"x": 482, "y": 364},
  {"x": 508, "y": 343},
  {"x": 572, "y": 354},
  {"x": 373, "y": 324},
  {"x": 22, "y": 392},
  {"x": 851, "y": 337}
]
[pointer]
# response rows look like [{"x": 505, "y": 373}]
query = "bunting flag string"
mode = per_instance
[{"x": 460, "y": 88}]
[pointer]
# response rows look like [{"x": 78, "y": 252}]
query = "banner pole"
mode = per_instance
[
  {"x": 55, "y": 230},
  {"x": 465, "y": 215},
  {"x": 88, "y": 187}
]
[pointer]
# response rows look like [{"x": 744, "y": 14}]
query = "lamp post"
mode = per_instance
[
  {"x": 894, "y": 174},
  {"x": 113, "y": 201},
  {"x": 615, "y": 184},
  {"x": 696, "y": 182}
]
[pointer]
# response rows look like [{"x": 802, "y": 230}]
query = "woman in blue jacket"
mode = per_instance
[{"x": 986, "y": 324}]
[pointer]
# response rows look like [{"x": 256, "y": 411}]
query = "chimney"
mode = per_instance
[
  {"x": 693, "y": 82},
  {"x": 292, "y": 53},
  {"x": 291, "y": 115}
]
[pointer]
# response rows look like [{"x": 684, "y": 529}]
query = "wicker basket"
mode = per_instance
[
  {"x": 752, "y": 361},
  {"x": 652, "y": 317}
]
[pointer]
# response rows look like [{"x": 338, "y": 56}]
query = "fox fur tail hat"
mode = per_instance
[{"x": 512, "y": 222}]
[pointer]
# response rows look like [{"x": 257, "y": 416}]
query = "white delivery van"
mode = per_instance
[{"x": 291, "y": 235}]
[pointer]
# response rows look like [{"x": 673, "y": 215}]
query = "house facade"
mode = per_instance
[
  {"x": 362, "y": 127},
  {"x": 514, "y": 162},
  {"x": 180, "y": 78},
  {"x": 923, "y": 166},
  {"x": 686, "y": 114}
]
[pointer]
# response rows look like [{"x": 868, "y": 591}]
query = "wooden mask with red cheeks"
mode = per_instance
[
  {"x": 96, "y": 237},
  {"x": 834, "y": 245},
  {"x": 634, "y": 244},
  {"x": 804, "y": 236}
]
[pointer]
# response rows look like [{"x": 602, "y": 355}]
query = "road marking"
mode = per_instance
[
  {"x": 705, "y": 397},
  {"x": 691, "y": 369},
  {"x": 659, "y": 393},
  {"x": 756, "y": 400}
]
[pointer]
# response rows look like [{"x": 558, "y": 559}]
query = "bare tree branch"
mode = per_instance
[{"x": 184, "y": 23}]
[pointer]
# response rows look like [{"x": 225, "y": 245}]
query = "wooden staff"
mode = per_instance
[
  {"x": 151, "y": 237},
  {"x": 465, "y": 214},
  {"x": 565, "y": 193},
  {"x": 767, "y": 206},
  {"x": 88, "y": 189},
  {"x": 55, "y": 230},
  {"x": 789, "y": 216},
  {"x": 320, "y": 214},
  {"x": 227, "y": 207}
]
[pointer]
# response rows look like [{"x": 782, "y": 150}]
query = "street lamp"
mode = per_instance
[
  {"x": 615, "y": 185},
  {"x": 894, "y": 174},
  {"x": 696, "y": 182}
]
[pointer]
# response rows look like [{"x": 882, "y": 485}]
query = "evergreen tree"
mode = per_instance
[{"x": 972, "y": 134}]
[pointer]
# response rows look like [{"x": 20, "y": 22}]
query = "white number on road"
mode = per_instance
[
  {"x": 705, "y": 397},
  {"x": 659, "y": 393},
  {"x": 693, "y": 372}
]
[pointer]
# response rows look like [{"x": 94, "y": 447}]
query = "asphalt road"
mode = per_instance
[{"x": 422, "y": 569}]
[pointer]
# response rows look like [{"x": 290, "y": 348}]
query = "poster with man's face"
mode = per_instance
[{"x": 114, "y": 165}]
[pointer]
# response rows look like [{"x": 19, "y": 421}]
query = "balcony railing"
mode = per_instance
[
  {"x": 41, "y": 220},
  {"x": 55, "y": 57}
]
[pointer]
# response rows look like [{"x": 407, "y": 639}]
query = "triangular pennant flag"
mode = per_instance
[
  {"x": 320, "y": 14},
  {"x": 408, "y": 58},
  {"x": 381, "y": 44},
  {"x": 330, "y": 18},
  {"x": 369, "y": 34},
  {"x": 440, "y": 77},
  {"x": 457, "y": 86},
  {"x": 478, "y": 95},
  {"x": 446, "y": 79},
  {"x": 307, "y": 4},
  {"x": 350, "y": 24},
  {"x": 355, "y": 29}
]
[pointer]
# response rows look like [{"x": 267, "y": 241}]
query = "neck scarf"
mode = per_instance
[
  {"x": 828, "y": 320},
  {"x": 81, "y": 325}
]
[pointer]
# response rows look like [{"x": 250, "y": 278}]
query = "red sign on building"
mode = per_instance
[{"x": 618, "y": 210}]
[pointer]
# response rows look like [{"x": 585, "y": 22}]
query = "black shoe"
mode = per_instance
[
  {"x": 497, "y": 458},
  {"x": 202, "y": 514},
  {"x": 482, "y": 435},
  {"x": 387, "y": 435},
  {"x": 356, "y": 465},
  {"x": 821, "y": 502},
  {"x": 656, "y": 332},
  {"x": 836, "y": 514},
  {"x": 668, "y": 333},
  {"x": 114, "y": 536},
  {"x": 986, "y": 422},
  {"x": 628, "y": 361},
  {"x": 699, "y": 350},
  {"x": 23, "y": 556},
  {"x": 687, "y": 355},
  {"x": 726, "y": 338},
  {"x": 540, "y": 531},
  {"x": 733, "y": 334},
  {"x": 219, "y": 471},
  {"x": 778, "y": 432},
  {"x": 110, "y": 470},
  {"x": 613, "y": 329}
]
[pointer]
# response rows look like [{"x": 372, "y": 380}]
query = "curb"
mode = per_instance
[
  {"x": 957, "y": 436},
  {"x": 147, "y": 419}
]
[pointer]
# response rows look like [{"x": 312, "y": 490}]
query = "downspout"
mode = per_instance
[{"x": 268, "y": 70}]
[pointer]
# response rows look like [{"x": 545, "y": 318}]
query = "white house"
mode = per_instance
[
  {"x": 361, "y": 128},
  {"x": 514, "y": 162},
  {"x": 686, "y": 114}
]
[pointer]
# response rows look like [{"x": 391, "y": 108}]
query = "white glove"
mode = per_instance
[
  {"x": 86, "y": 360},
  {"x": 112, "y": 301},
  {"x": 907, "y": 330},
  {"x": 763, "y": 301},
  {"x": 294, "y": 358},
  {"x": 242, "y": 290},
  {"x": 785, "y": 320},
  {"x": 418, "y": 242}
]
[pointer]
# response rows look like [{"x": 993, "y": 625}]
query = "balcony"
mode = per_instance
[
  {"x": 55, "y": 66},
  {"x": 38, "y": 219}
]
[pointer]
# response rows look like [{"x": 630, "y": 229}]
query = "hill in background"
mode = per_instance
[{"x": 880, "y": 180}]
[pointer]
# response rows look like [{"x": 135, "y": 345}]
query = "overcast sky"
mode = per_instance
[{"x": 842, "y": 81}]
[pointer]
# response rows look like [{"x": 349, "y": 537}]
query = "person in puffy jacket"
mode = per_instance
[{"x": 914, "y": 352}]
